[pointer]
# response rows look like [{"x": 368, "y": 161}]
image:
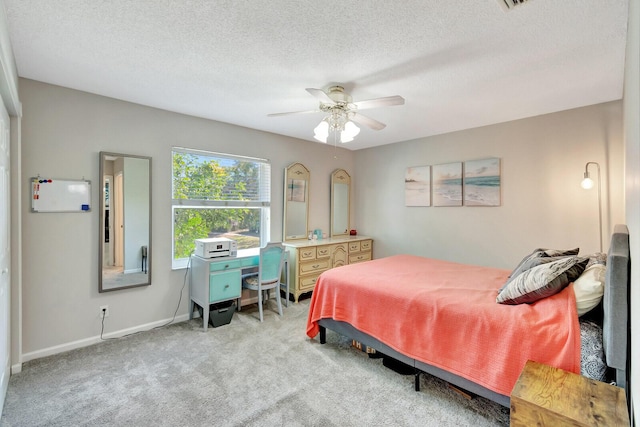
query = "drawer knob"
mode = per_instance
[
  {"x": 226, "y": 286},
  {"x": 316, "y": 266}
]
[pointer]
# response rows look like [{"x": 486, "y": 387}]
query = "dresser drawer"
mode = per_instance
[
  {"x": 308, "y": 282},
  {"x": 307, "y": 254},
  {"x": 315, "y": 266},
  {"x": 224, "y": 285},
  {"x": 227, "y": 264},
  {"x": 339, "y": 246},
  {"x": 354, "y": 247},
  {"x": 250, "y": 261},
  {"x": 322, "y": 252},
  {"x": 366, "y": 256},
  {"x": 365, "y": 245}
]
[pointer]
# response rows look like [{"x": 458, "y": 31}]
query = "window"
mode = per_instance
[{"x": 218, "y": 195}]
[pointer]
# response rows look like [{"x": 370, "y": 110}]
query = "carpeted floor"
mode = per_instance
[{"x": 241, "y": 374}]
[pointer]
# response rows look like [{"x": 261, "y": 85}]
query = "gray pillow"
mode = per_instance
[
  {"x": 597, "y": 258},
  {"x": 539, "y": 253},
  {"x": 542, "y": 281},
  {"x": 529, "y": 264},
  {"x": 537, "y": 257}
]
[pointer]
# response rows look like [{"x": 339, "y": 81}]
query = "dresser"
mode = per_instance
[{"x": 309, "y": 258}]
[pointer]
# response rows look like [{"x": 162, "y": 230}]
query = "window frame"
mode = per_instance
[{"x": 264, "y": 204}]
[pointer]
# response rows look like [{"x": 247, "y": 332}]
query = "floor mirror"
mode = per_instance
[{"x": 125, "y": 221}]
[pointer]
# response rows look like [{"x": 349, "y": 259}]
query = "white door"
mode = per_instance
[
  {"x": 118, "y": 222},
  {"x": 5, "y": 258},
  {"x": 107, "y": 259}
]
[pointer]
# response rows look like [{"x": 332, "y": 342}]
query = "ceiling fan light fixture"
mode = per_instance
[
  {"x": 345, "y": 138},
  {"x": 320, "y": 138},
  {"x": 349, "y": 132},
  {"x": 322, "y": 131},
  {"x": 351, "y": 129},
  {"x": 342, "y": 112}
]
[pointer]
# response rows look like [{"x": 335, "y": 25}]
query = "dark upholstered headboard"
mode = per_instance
[{"x": 616, "y": 304}]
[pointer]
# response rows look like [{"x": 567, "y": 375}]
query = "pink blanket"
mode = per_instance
[{"x": 445, "y": 314}]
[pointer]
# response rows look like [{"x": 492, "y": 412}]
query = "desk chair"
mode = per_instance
[{"x": 268, "y": 275}]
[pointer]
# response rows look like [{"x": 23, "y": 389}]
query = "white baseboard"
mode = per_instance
[
  {"x": 16, "y": 369},
  {"x": 50, "y": 351}
]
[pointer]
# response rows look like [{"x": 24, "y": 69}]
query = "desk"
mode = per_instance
[{"x": 214, "y": 280}]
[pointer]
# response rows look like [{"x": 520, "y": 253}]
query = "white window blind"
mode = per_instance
[{"x": 236, "y": 180}]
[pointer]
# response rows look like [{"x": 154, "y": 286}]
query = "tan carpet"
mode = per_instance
[{"x": 241, "y": 374}]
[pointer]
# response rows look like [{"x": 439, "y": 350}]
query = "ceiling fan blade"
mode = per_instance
[
  {"x": 380, "y": 102},
  {"x": 367, "y": 121},
  {"x": 292, "y": 112},
  {"x": 321, "y": 95}
]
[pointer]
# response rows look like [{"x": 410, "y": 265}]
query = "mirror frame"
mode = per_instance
[
  {"x": 340, "y": 176},
  {"x": 104, "y": 156},
  {"x": 296, "y": 171}
]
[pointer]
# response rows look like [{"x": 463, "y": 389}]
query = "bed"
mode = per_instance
[{"x": 442, "y": 318}]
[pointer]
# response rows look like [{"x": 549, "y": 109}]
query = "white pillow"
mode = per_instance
[{"x": 589, "y": 288}]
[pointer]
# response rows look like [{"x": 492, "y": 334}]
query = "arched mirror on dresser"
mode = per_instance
[
  {"x": 308, "y": 259},
  {"x": 296, "y": 202},
  {"x": 340, "y": 200},
  {"x": 125, "y": 221}
]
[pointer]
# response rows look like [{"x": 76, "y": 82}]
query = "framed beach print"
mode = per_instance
[
  {"x": 482, "y": 182},
  {"x": 296, "y": 190},
  {"x": 447, "y": 184},
  {"x": 417, "y": 186}
]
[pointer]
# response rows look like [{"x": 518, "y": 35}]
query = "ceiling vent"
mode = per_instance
[{"x": 511, "y": 4}]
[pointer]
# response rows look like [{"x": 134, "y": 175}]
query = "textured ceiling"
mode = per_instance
[{"x": 458, "y": 64}]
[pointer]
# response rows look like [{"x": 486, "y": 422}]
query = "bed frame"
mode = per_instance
[{"x": 616, "y": 329}]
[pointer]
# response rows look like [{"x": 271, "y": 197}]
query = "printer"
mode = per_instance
[{"x": 216, "y": 247}]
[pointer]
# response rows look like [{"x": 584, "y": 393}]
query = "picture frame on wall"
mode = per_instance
[
  {"x": 482, "y": 182},
  {"x": 447, "y": 184},
  {"x": 417, "y": 186},
  {"x": 296, "y": 190}
]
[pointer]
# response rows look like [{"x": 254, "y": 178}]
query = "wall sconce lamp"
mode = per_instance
[{"x": 587, "y": 184}]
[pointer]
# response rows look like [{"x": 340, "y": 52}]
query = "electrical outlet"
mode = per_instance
[{"x": 104, "y": 309}]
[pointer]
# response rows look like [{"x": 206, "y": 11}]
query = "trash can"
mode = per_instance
[{"x": 221, "y": 313}]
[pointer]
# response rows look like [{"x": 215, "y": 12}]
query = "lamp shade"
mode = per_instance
[
  {"x": 345, "y": 138},
  {"x": 351, "y": 129},
  {"x": 322, "y": 131},
  {"x": 349, "y": 132},
  {"x": 587, "y": 183}
]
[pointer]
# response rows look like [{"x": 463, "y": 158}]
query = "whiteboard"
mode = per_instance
[{"x": 60, "y": 195}]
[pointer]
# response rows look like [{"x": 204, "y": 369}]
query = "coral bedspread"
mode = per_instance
[{"x": 445, "y": 314}]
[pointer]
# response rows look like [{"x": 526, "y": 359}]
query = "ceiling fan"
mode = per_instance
[{"x": 342, "y": 111}]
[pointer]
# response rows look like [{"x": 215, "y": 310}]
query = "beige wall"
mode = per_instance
[
  {"x": 63, "y": 132},
  {"x": 543, "y": 160}
]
